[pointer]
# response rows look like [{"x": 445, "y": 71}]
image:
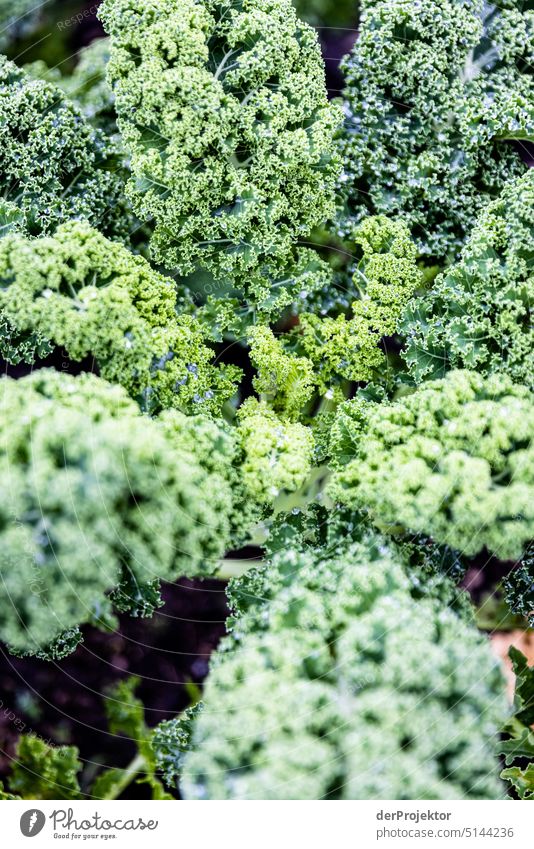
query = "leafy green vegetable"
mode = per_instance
[
  {"x": 519, "y": 586},
  {"x": 171, "y": 741},
  {"x": 322, "y": 353},
  {"x": 433, "y": 571},
  {"x": 87, "y": 86},
  {"x": 277, "y": 455},
  {"x": 42, "y": 771},
  {"x": 478, "y": 313},
  {"x": 453, "y": 460},
  {"x": 54, "y": 166},
  {"x": 223, "y": 108},
  {"x": 90, "y": 296},
  {"x": 95, "y": 498},
  {"x": 518, "y": 745},
  {"x": 285, "y": 381},
  {"x": 385, "y": 276},
  {"x": 126, "y": 716}
]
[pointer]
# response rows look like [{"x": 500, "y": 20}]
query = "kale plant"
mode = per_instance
[
  {"x": 54, "y": 166},
  {"x": 518, "y": 743},
  {"x": 324, "y": 689},
  {"x": 302, "y": 334},
  {"x": 519, "y": 586},
  {"x": 435, "y": 89},
  {"x": 477, "y": 315},
  {"x": 99, "y": 500},
  {"x": 91, "y": 297},
  {"x": 328, "y": 349},
  {"x": 86, "y": 86},
  {"x": 42, "y": 771}
]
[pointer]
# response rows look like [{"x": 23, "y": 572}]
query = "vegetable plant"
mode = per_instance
[
  {"x": 518, "y": 743},
  {"x": 323, "y": 690},
  {"x": 99, "y": 503},
  {"x": 54, "y": 165},
  {"x": 90, "y": 296},
  {"x": 477, "y": 315},
  {"x": 453, "y": 460},
  {"x": 253, "y": 330},
  {"x": 15, "y": 17},
  {"x": 42, "y": 771}
]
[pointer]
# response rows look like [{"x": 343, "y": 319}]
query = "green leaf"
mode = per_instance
[
  {"x": 126, "y": 716},
  {"x": 521, "y": 746},
  {"x": 109, "y": 784},
  {"x": 45, "y": 772},
  {"x": 124, "y": 711},
  {"x": 522, "y": 780},
  {"x": 171, "y": 741},
  {"x": 520, "y": 743},
  {"x": 524, "y": 688}
]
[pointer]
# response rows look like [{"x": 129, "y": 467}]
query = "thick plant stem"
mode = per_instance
[{"x": 128, "y": 774}]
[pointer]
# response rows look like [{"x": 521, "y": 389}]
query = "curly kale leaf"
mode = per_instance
[
  {"x": 325, "y": 689},
  {"x": 54, "y": 166},
  {"x": 519, "y": 586},
  {"x": 285, "y": 381},
  {"x": 518, "y": 745},
  {"x": 171, "y": 741},
  {"x": 92, "y": 491},
  {"x": 433, "y": 571},
  {"x": 40, "y": 771},
  {"x": 453, "y": 460},
  {"x": 43, "y": 771},
  {"x": 138, "y": 600},
  {"x": 223, "y": 108},
  {"x": 433, "y": 87},
  {"x": 277, "y": 455},
  {"x": 126, "y": 717},
  {"x": 86, "y": 86},
  {"x": 61, "y": 646},
  {"x": 322, "y": 353},
  {"x": 478, "y": 313},
  {"x": 385, "y": 276},
  {"x": 91, "y": 297}
]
